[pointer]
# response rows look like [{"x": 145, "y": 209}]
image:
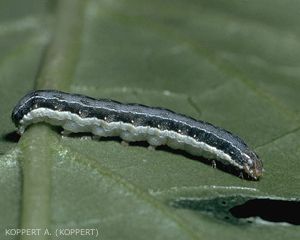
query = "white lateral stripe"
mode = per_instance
[
  {"x": 75, "y": 123},
  {"x": 82, "y": 104}
]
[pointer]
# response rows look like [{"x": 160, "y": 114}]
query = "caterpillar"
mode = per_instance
[{"x": 135, "y": 122}]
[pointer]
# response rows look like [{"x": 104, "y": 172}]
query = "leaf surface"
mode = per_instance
[{"x": 231, "y": 63}]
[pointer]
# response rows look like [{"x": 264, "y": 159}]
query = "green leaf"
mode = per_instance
[{"x": 232, "y": 63}]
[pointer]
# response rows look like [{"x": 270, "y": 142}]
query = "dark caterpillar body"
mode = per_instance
[{"x": 134, "y": 122}]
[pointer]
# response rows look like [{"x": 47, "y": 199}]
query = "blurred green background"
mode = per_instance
[{"x": 233, "y": 63}]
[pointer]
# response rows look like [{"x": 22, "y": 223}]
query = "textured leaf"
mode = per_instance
[{"x": 232, "y": 63}]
